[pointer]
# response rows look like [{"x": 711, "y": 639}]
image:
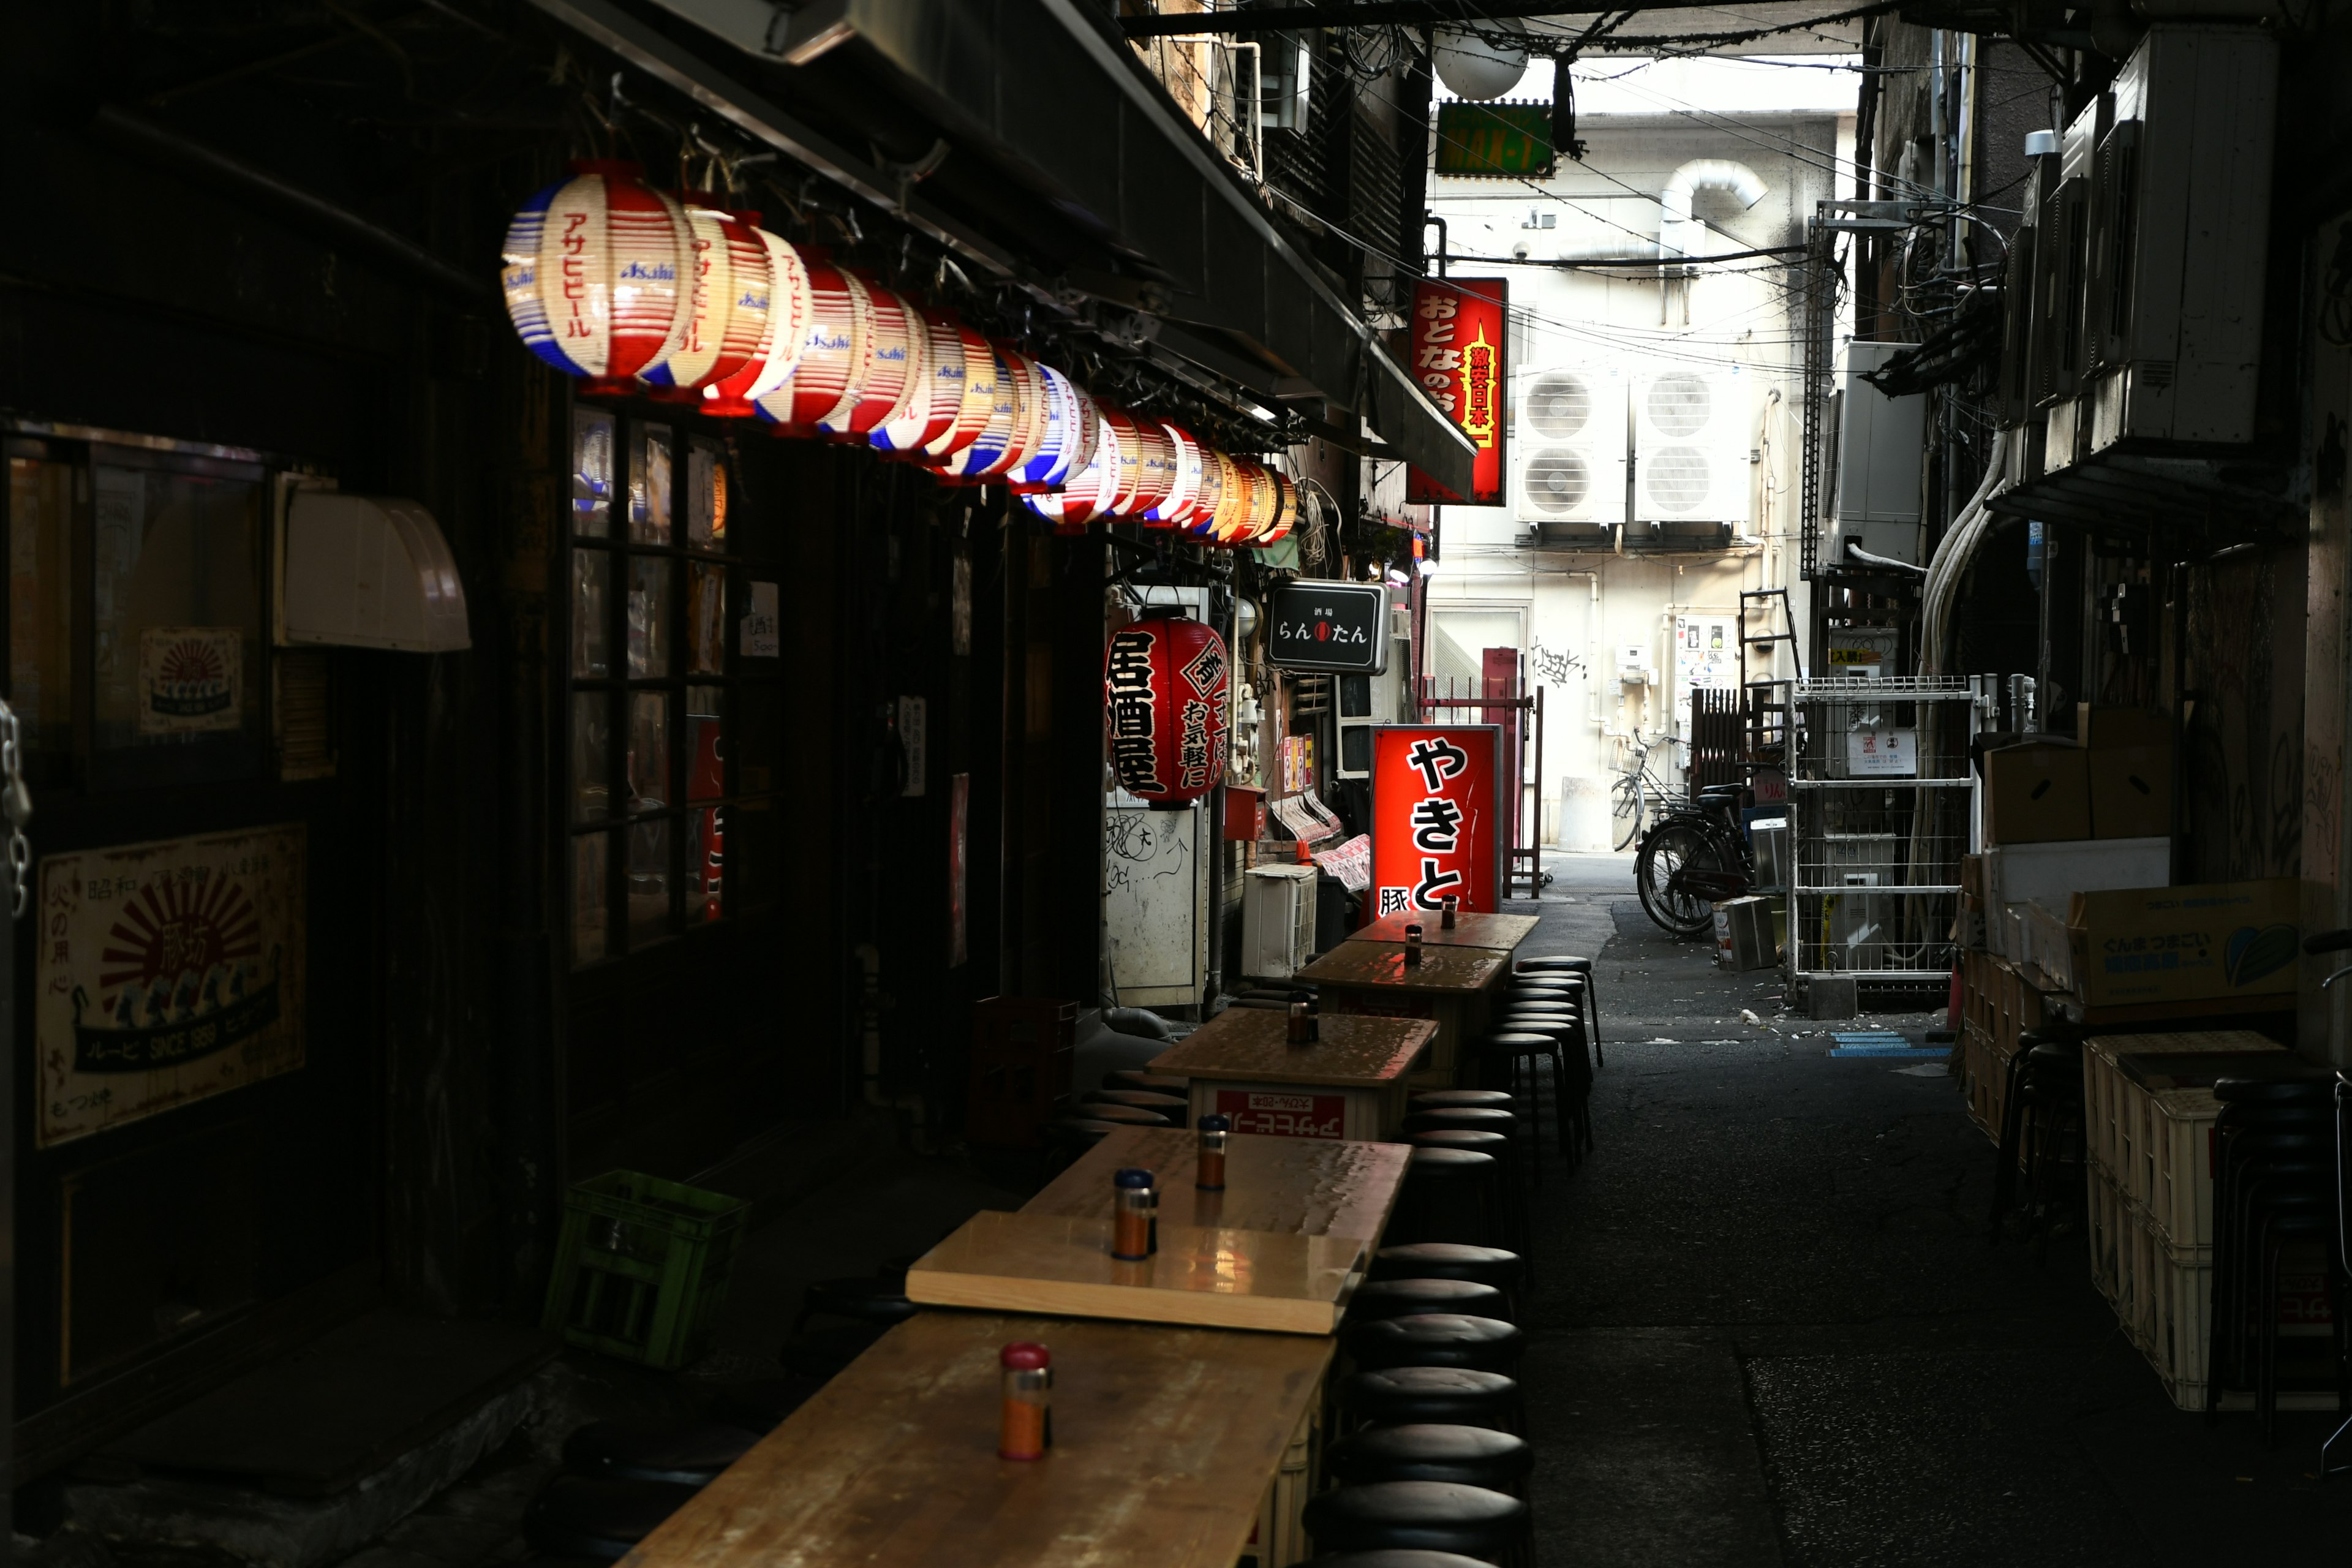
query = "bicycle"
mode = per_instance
[
  {"x": 1638, "y": 795},
  {"x": 1694, "y": 859}
]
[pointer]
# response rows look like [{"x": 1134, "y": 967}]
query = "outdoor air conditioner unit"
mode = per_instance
[
  {"x": 1691, "y": 443},
  {"x": 1881, "y": 441},
  {"x": 2015, "y": 394},
  {"x": 2177, "y": 199},
  {"x": 1571, "y": 444},
  {"x": 1277, "y": 921}
]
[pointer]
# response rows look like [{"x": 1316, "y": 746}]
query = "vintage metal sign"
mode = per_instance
[
  {"x": 167, "y": 971},
  {"x": 1437, "y": 819},
  {"x": 191, "y": 679},
  {"x": 1503, "y": 140},
  {"x": 1459, "y": 332}
]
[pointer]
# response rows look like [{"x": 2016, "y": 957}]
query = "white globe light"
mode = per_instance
[{"x": 1480, "y": 67}]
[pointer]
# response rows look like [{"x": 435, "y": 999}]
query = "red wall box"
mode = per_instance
[
  {"x": 1438, "y": 825},
  {"x": 1244, "y": 813}
]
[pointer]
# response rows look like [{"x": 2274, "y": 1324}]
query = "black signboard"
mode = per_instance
[{"x": 1331, "y": 626}]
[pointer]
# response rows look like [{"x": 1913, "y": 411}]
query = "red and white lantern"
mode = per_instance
[
  {"x": 781, "y": 334},
  {"x": 727, "y": 286},
  {"x": 832, "y": 353},
  {"x": 1164, "y": 696},
  {"x": 898, "y": 353},
  {"x": 593, "y": 275},
  {"x": 1174, "y": 507}
]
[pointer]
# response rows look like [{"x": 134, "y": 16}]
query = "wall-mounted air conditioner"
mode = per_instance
[
  {"x": 1881, "y": 444},
  {"x": 1570, "y": 441},
  {"x": 1692, "y": 438},
  {"x": 2178, "y": 218}
]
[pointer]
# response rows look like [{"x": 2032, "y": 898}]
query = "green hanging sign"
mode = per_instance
[{"x": 1495, "y": 139}]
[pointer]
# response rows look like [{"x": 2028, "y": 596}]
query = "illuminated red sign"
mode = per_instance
[
  {"x": 1458, "y": 335},
  {"x": 1286, "y": 1113},
  {"x": 1437, "y": 819}
]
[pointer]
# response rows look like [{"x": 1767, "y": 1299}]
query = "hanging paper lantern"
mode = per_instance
[
  {"x": 1068, "y": 442},
  {"x": 979, "y": 403},
  {"x": 780, "y": 338},
  {"x": 891, "y": 373},
  {"x": 1089, "y": 492},
  {"x": 931, "y": 412},
  {"x": 1122, "y": 458},
  {"x": 1013, "y": 425},
  {"x": 725, "y": 270},
  {"x": 1286, "y": 510},
  {"x": 1175, "y": 507},
  {"x": 1263, "y": 499},
  {"x": 1164, "y": 699},
  {"x": 832, "y": 350},
  {"x": 592, "y": 275},
  {"x": 1199, "y": 523}
]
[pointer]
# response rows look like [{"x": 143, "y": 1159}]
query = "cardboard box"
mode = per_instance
[
  {"x": 2050, "y": 874},
  {"x": 2184, "y": 944},
  {"x": 1972, "y": 877},
  {"x": 2099, "y": 727},
  {"x": 2131, "y": 791},
  {"x": 2038, "y": 793}
]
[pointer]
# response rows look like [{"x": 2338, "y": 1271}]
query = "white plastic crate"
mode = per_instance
[
  {"x": 2157, "y": 1147},
  {"x": 2171, "y": 1317}
]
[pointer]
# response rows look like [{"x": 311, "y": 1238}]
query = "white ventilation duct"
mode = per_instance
[{"x": 1680, "y": 232}]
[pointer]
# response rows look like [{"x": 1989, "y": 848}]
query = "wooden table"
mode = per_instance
[
  {"x": 1451, "y": 986},
  {"x": 1348, "y": 1084},
  {"x": 1212, "y": 1276},
  {"x": 1170, "y": 1447},
  {"x": 1502, "y": 932},
  {"x": 1299, "y": 1186}
]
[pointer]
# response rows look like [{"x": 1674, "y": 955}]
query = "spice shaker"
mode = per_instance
[
  {"x": 1133, "y": 1202},
  {"x": 1214, "y": 1132},
  {"x": 1446, "y": 920},
  {"x": 1412, "y": 946},
  {"x": 1028, "y": 1429},
  {"x": 1297, "y": 1027}
]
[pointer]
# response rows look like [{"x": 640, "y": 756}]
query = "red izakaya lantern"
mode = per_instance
[{"x": 1164, "y": 698}]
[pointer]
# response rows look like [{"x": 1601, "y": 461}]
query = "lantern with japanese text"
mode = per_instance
[
  {"x": 1067, "y": 441},
  {"x": 891, "y": 376},
  {"x": 1164, "y": 695},
  {"x": 725, "y": 298},
  {"x": 592, "y": 272},
  {"x": 932, "y": 412},
  {"x": 1089, "y": 493},
  {"x": 782, "y": 330},
  {"x": 977, "y": 407},
  {"x": 1174, "y": 509},
  {"x": 840, "y": 319},
  {"x": 1286, "y": 510}
]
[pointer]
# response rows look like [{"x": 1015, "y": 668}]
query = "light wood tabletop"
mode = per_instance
[
  {"x": 1380, "y": 965},
  {"x": 1299, "y": 1186},
  {"x": 1202, "y": 1277},
  {"x": 1504, "y": 932},
  {"x": 1165, "y": 1441},
  {"x": 1252, "y": 1044}
]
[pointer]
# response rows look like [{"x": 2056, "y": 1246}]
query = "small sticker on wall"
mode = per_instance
[
  {"x": 191, "y": 679},
  {"x": 764, "y": 636}
]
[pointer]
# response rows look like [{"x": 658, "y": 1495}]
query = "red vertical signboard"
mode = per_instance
[
  {"x": 1437, "y": 818},
  {"x": 1458, "y": 335}
]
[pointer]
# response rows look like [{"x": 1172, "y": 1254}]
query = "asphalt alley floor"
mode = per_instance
[{"x": 1769, "y": 1327}]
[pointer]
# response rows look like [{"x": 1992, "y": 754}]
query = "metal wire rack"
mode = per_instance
[{"x": 1879, "y": 820}]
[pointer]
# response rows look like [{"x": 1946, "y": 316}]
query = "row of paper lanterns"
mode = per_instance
[{"x": 642, "y": 293}]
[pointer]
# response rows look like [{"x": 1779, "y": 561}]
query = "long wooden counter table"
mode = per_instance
[
  {"x": 1502, "y": 932},
  {"x": 1294, "y": 1186},
  {"x": 1450, "y": 986},
  {"x": 1350, "y": 1083},
  {"x": 1171, "y": 1446}
]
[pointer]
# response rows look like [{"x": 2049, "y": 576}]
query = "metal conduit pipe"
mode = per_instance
[{"x": 1680, "y": 231}]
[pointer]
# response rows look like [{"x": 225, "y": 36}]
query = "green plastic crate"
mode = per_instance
[{"x": 642, "y": 1265}]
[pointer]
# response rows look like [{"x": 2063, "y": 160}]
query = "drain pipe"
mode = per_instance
[
  {"x": 1680, "y": 230},
  {"x": 869, "y": 1022}
]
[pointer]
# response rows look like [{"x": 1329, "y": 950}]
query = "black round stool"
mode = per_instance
[
  {"x": 689, "y": 1454},
  {"x": 1579, "y": 970},
  {"x": 1125, "y": 1115},
  {"x": 1449, "y": 1190},
  {"x": 1515, "y": 1219},
  {"x": 1466, "y": 1456},
  {"x": 1505, "y": 1271},
  {"x": 865, "y": 1300},
  {"x": 1427, "y": 1516},
  {"x": 1436, "y": 1339},
  {"x": 573, "y": 1516},
  {"x": 1575, "y": 1131},
  {"x": 1448, "y": 1395},
  {"x": 823, "y": 1353},
  {"x": 1396, "y": 1559},
  {"x": 1149, "y": 1082},
  {"x": 1462, "y": 1099},
  {"x": 1506, "y": 1050},
  {"x": 1378, "y": 1298}
]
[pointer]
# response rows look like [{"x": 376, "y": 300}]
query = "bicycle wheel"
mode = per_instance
[
  {"x": 1625, "y": 809},
  {"x": 1677, "y": 843}
]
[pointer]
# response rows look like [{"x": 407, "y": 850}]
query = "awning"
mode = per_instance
[{"x": 1041, "y": 99}]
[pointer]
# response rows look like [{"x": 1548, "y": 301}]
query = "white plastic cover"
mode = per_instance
[{"x": 370, "y": 572}]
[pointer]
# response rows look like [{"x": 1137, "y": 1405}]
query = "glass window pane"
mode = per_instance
[
  {"x": 591, "y": 473},
  {"x": 591, "y": 756},
  {"x": 177, "y": 610},
  {"x": 649, "y": 881},
  {"x": 40, "y": 601},
  {"x": 706, "y": 620},
  {"x": 591, "y": 853},
  {"x": 706, "y": 495},
  {"x": 648, "y": 751},
  {"x": 706, "y": 755},
  {"x": 591, "y": 582},
  {"x": 707, "y": 830},
  {"x": 649, "y": 490},
  {"x": 648, "y": 617}
]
